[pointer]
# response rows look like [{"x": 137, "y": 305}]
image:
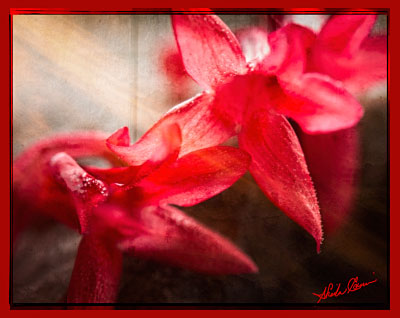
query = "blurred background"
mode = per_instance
[{"x": 81, "y": 72}]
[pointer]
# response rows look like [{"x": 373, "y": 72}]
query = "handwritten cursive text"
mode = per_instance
[{"x": 352, "y": 286}]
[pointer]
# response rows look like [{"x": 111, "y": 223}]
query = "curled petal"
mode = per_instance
[
  {"x": 86, "y": 190},
  {"x": 209, "y": 50},
  {"x": 157, "y": 146},
  {"x": 279, "y": 168},
  {"x": 77, "y": 145},
  {"x": 319, "y": 104},
  {"x": 96, "y": 274},
  {"x": 200, "y": 127},
  {"x": 333, "y": 160},
  {"x": 181, "y": 241},
  {"x": 196, "y": 176},
  {"x": 120, "y": 138}
]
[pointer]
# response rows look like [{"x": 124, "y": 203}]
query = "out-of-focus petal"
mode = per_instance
[
  {"x": 77, "y": 145},
  {"x": 344, "y": 34},
  {"x": 96, "y": 272},
  {"x": 171, "y": 62},
  {"x": 344, "y": 51},
  {"x": 35, "y": 191},
  {"x": 196, "y": 176},
  {"x": 319, "y": 104},
  {"x": 279, "y": 168},
  {"x": 288, "y": 56},
  {"x": 333, "y": 160},
  {"x": 254, "y": 43},
  {"x": 368, "y": 67},
  {"x": 86, "y": 190},
  {"x": 209, "y": 50},
  {"x": 44, "y": 198},
  {"x": 181, "y": 241}
]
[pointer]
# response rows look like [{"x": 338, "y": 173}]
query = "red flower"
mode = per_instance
[
  {"x": 126, "y": 209},
  {"x": 251, "y": 99},
  {"x": 341, "y": 48},
  {"x": 345, "y": 51}
]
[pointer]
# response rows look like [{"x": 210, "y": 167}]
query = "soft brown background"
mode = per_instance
[{"x": 74, "y": 72}]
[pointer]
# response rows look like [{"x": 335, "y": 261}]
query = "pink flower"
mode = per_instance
[
  {"x": 127, "y": 209},
  {"x": 251, "y": 99}
]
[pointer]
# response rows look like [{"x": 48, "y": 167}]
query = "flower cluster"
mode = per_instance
[{"x": 252, "y": 83}]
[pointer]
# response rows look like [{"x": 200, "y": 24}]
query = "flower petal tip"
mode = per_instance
[
  {"x": 251, "y": 267},
  {"x": 319, "y": 240},
  {"x": 119, "y": 138}
]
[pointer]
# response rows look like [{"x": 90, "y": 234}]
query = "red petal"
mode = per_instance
[
  {"x": 77, "y": 144},
  {"x": 333, "y": 160},
  {"x": 33, "y": 205},
  {"x": 179, "y": 240},
  {"x": 122, "y": 175},
  {"x": 344, "y": 33},
  {"x": 200, "y": 125},
  {"x": 319, "y": 104},
  {"x": 242, "y": 93},
  {"x": 113, "y": 222},
  {"x": 171, "y": 63},
  {"x": 96, "y": 274},
  {"x": 34, "y": 187},
  {"x": 196, "y": 176},
  {"x": 288, "y": 56},
  {"x": 86, "y": 191},
  {"x": 368, "y": 67},
  {"x": 280, "y": 169},
  {"x": 120, "y": 137},
  {"x": 158, "y": 145},
  {"x": 210, "y": 51},
  {"x": 200, "y": 128},
  {"x": 344, "y": 52}
]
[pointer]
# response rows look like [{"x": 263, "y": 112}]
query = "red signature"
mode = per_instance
[{"x": 352, "y": 286}]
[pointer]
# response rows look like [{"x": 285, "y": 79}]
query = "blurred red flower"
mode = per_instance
[{"x": 126, "y": 209}]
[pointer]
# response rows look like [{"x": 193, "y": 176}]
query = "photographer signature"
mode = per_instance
[{"x": 352, "y": 286}]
